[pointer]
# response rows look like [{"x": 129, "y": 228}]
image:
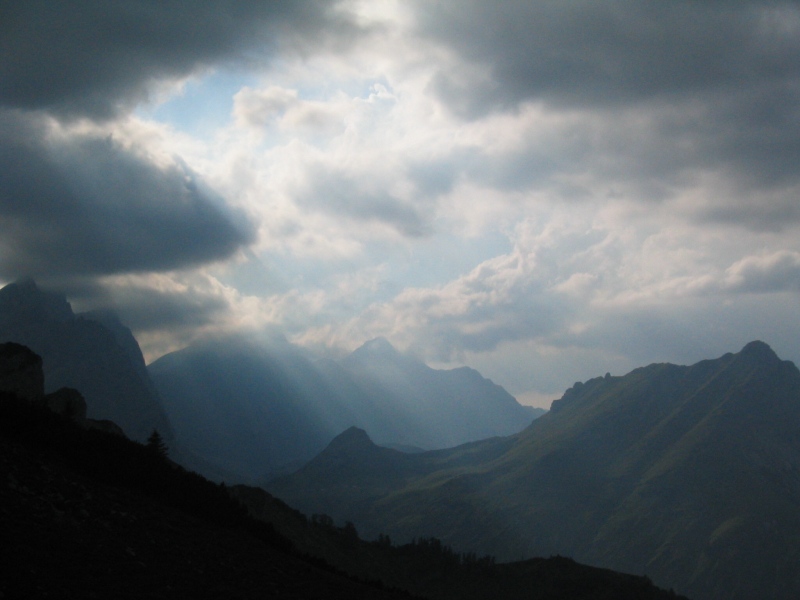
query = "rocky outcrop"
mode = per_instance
[
  {"x": 22, "y": 376},
  {"x": 87, "y": 353},
  {"x": 105, "y": 426},
  {"x": 21, "y": 372},
  {"x": 67, "y": 402}
]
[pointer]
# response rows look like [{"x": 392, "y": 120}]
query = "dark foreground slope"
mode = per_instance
[
  {"x": 430, "y": 569},
  {"x": 85, "y": 514},
  {"x": 688, "y": 474}
]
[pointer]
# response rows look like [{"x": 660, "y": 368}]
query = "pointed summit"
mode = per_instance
[
  {"x": 351, "y": 438},
  {"x": 379, "y": 348},
  {"x": 24, "y": 300},
  {"x": 352, "y": 444}
]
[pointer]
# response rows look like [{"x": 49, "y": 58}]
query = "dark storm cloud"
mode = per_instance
[
  {"x": 80, "y": 204},
  {"x": 95, "y": 58},
  {"x": 682, "y": 88},
  {"x": 140, "y": 306},
  {"x": 74, "y": 203},
  {"x": 590, "y": 53}
]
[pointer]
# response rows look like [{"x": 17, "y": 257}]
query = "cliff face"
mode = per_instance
[{"x": 82, "y": 353}]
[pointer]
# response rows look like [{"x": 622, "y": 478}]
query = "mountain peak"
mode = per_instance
[
  {"x": 24, "y": 299},
  {"x": 378, "y": 349},
  {"x": 350, "y": 438},
  {"x": 759, "y": 350},
  {"x": 379, "y": 346}
]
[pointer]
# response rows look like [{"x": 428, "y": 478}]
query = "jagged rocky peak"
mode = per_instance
[
  {"x": 104, "y": 363},
  {"x": 25, "y": 300}
]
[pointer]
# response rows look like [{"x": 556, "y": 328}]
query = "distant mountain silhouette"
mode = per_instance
[
  {"x": 82, "y": 352},
  {"x": 259, "y": 409},
  {"x": 688, "y": 474},
  {"x": 450, "y": 407}
]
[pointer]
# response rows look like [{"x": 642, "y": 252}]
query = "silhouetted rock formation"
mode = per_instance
[
  {"x": 21, "y": 371},
  {"x": 67, "y": 402},
  {"x": 83, "y": 354}
]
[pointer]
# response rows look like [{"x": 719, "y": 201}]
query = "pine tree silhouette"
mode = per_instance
[{"x": 155, "y": 443}]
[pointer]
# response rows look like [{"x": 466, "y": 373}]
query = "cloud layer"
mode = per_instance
[
  {"x": 543, "y": 190},
  {"x": 94, "y": 58}
]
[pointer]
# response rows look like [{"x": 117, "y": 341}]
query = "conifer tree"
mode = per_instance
[{"x": 156, "y": 444}]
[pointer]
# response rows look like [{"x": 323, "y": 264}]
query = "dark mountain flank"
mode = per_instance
[
  {"x": 689, "y": 474},
  {"x": 92, "y": 353},
  {"x": 259, "y": 409}
]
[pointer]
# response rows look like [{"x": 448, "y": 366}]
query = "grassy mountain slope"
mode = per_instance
[{"x": 688, "y": 474}]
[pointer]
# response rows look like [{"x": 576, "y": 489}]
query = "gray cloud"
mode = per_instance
[
  {"x": 590, "y": 53},
  {"x": 95, "y": 58},
  {"x": 778, "y": 272},
  {"x": 146, "y": 309},
  {"x": 711, "y": 87},
  {"x": 340, "y": 195},
  {"x": 76, "y": 204},
  {"x": 80, "y": 204}
]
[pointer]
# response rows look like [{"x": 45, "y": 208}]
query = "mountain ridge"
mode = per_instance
[
  {"x": 247, "y": 386},
  {"x": 665, "y": 471}
]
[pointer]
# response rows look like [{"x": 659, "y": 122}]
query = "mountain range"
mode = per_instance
[
  {"x": 687, "y": 474},
  {"x": 258, "y": 409},
  {"x": 239, "y": 409},
  {"x": 690, "y": 474},
  {"x": 87, "y": 513}
]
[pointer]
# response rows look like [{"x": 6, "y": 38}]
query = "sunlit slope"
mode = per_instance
[
  {"x": 259, "y": 408},
  {"x": 689, "y": 474},
  {"x": 446, "y": 407}
]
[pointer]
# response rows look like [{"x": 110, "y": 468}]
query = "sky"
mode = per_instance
[{"x": 545, "y": 191}]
